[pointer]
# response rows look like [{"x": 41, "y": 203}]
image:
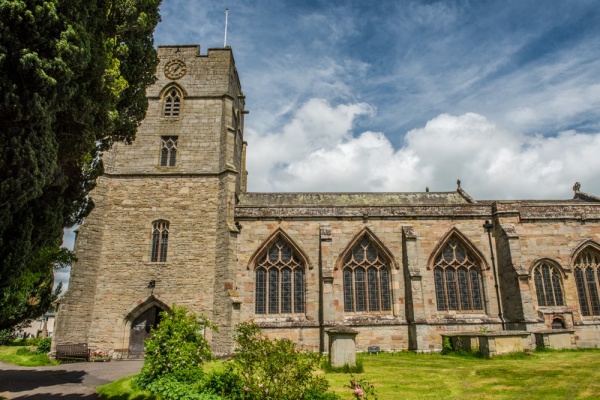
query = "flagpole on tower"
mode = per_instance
[{"x": 226, "y": 15}]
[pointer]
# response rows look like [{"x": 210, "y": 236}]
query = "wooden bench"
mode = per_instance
[
  {"x": 73, "y": 351},
  {"x": 373, "y": 349}
]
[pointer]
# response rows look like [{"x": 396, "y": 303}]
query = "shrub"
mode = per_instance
[
  {"x": 44, "y": 345},
  {"x": 446, "y": 345},
  {"x": 6, "y": 337},
  {"x": 177, "y": 348},
  {"x": 225, "y": 383},
  {"x": 274, "y": 369}
]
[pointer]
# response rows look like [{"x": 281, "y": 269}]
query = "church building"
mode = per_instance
[{"x": 174, "y": 224}]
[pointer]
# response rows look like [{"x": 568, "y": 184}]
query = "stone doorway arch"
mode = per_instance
[{"x": 141, "y": 321}]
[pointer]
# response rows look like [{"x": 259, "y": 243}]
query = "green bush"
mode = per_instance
[
  {"x": 177, "y": 348},
  {"x": 6, "y": 337},
  {"x": 224, "y": 383},
  {"x": 275, "y": 369},
  {"x": 44, "y": 345},
  {"x": 446, "y": 345}
]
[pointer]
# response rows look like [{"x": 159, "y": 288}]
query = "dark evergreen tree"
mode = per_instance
[{"x": 73, "y": 75}]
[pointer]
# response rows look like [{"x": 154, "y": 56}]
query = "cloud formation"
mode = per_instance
[{"x": 317, "y": 151}]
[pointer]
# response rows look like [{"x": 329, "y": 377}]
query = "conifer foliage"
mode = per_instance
[{"x": 73, "y": 75}]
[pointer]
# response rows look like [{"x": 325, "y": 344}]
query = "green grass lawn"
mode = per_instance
[
  {"x": 9, "y": 354},
  {"x": 543, "y": 375}
]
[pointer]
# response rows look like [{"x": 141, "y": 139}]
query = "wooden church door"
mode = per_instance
[{"x": 140, "y": 330}]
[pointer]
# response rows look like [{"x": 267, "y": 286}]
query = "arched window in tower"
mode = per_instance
[
  {"x": 457, "y": 278},
  {"x": 168, "y": 151},
  {"x": 172, "y": 103},
  {"x": 587, "y": 278},
  {"x": 548, "y": 285},
  {"x": 279, "y": 280},
  {"x": 367, "y": 280},
  {"x": 160, "y": 241}
]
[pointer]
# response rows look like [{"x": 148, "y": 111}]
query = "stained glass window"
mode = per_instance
[
  {"x": 279, "y": 280},
  {"x": 587, "y": 276},
  {"x": 457, "y": 279},
  {"x": 366, "y": 279},
  {"x": 160, "y": 241}
]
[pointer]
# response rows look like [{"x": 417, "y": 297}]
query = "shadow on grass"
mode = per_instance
[{"x": 54, "y": 396}]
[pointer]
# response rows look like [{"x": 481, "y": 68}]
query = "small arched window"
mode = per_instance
[
  {"x": 457, "y": 278},
  {"x": 279, "y": 280},
  {"x": 367, "y": 283},
  {"x": 172, "y": 103},
  {"x": 160, "y": 241},
  {"x": 587, "y": 276},
  {"x": 168, "y": 151},
  {"x": 548, "y": 285}
]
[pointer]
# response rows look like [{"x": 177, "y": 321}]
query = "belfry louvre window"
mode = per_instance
[
  {"x": 172, "y": 104},
  {"x": 587, "y": 276},
  {"x": 160, "y": 241},
  {"x": 457, "y": 279},
  {"x": 366, "y": 279},
  {"x": 168, "y": 152},
  {"x": 548, "y": 286},
  {"x": 279, "y": 281}
]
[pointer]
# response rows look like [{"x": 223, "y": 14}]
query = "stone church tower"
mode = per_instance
[
  {"x": 162, "y": 231},
  {"x": 173, "y": 224}
]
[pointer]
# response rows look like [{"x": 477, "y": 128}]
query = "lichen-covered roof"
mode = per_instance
[{"x": 350, "y": 199}]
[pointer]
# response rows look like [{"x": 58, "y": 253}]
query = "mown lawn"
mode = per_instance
[
  {"x": 27, "y": 359},
  {"x": 543, "y": 375}
]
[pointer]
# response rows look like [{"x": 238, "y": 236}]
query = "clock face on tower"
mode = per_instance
[{"x": 175, "y": 69}]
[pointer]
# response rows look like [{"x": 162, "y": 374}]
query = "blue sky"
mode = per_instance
[{"x": 401, "y": 95}]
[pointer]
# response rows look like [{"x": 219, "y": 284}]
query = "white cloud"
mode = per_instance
[{"x": 316, "y": 151}]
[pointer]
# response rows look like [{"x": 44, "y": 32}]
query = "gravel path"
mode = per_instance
[{"x": 65, "y": 381}]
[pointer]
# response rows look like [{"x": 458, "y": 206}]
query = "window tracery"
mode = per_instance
[
  {"x": 587, "y": 277},
  {"x": 168, "y": 152},
  {"x": 172, "y": 104},
  {"x": 366, "y": 279},
  {"x": 160, "y": 241},
  {"x": 457, "y": 279},
  {"x": 279, "y": 280},
  {"x": 548, "y": 286}
]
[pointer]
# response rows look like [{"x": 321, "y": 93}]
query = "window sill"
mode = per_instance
[{"x": 283, "y": 322}]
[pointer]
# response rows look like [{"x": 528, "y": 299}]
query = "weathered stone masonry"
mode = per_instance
[{"x": 218, "y": 233}]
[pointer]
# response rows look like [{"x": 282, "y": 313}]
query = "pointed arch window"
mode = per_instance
[
  {"x": 279, "y": 280},
  {"x": 160, "y": 241},
  {"x": 587, "y": 278},
  {"x": 367, "y": 281},
  {"x": 548, "y": 285},
  {"x": 172, "y": 103},
  {"x": 168, "y": 151},
  {"x": 457, "y": 279}
]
